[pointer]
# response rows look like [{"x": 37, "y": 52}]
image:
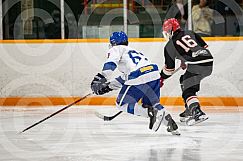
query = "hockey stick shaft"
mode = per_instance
[
  {"x": 75, "y": 102},
  {"x": 109, "y": 118}
]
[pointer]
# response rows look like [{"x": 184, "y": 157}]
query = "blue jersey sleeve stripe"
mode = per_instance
[
  {"x": 109, "y": 66},
  {"x": 120, "y": 80}
]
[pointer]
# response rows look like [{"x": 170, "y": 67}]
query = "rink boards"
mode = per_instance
[{"x": 55, "y": 72}]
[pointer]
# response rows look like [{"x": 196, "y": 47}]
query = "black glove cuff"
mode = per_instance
[{"x": 163, "y": 75}]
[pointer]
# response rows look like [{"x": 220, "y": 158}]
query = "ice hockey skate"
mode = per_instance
[
  {"x": 197, "y": 115},
  {"x": 185, "y": 115},
  {"x": 160, "y": 116},
  {"x": 171, "y": 125}
]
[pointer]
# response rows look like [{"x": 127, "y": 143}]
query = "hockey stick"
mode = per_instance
[
  {"x": 109, "y": 118},
  {"x": 80, "y": 99}
]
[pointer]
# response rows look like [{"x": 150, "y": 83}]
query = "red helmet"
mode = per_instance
[{"x": 170, "y": 26}]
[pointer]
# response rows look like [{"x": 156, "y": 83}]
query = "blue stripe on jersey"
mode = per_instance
[
  {"x": 142, "y": 71},
  {"x": 109, "y": 66},
  {"x": 120, "y": 80},
  {"x": 130, "y": 108}
]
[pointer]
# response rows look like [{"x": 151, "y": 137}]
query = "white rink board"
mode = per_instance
[
  {"x": 66, "y": 69},
  {"x": 78, "y": 135}
]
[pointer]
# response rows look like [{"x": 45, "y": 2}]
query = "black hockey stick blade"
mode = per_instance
[
  {"x": 80, "y": 99},
  {"x": 107, "y": 118}
]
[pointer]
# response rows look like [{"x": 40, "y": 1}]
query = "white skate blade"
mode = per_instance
[
  {"x": 191, "y": 122},
  {"x": 184, "y": 119},
  {"x": 176, "y": 132}
]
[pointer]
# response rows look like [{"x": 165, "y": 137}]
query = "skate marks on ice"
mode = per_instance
[{"x": 77, "y": 134}]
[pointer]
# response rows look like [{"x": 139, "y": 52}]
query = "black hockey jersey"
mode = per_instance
[{"x": 186, "y": 46}]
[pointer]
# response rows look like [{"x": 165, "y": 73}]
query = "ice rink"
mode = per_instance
[{"x": 78, "y": 135}]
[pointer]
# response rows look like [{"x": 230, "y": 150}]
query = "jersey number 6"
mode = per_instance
[{"x": 188, "y": 43}]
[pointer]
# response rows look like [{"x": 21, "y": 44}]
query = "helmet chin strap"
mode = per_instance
[
  {"x": 110, "y": 46},
  {"x": 171, "y": 34}
]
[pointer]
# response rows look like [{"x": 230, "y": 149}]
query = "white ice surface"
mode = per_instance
[{"x": 78, "y": 135}]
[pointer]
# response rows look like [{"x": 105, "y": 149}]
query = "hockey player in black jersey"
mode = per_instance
[{"x": 188, "y": 47}]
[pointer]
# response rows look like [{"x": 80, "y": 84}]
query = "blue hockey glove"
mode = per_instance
[{"x": 99, "y": 85}]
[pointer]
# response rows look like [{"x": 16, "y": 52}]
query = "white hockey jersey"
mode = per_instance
[{"x": 136, "y": 68}]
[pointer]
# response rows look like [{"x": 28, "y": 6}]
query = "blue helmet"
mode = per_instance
[{"x": 118, "y": 38}]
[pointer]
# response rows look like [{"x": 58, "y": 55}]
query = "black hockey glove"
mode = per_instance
[{"x": 99, "y": 85}]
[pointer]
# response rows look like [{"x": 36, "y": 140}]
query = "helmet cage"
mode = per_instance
[
  {"x": 168, "y": 34},
  {"x": 169, "y": 27}
]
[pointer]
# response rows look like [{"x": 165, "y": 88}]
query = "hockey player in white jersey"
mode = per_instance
[{"x": 140, "y": 80}]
